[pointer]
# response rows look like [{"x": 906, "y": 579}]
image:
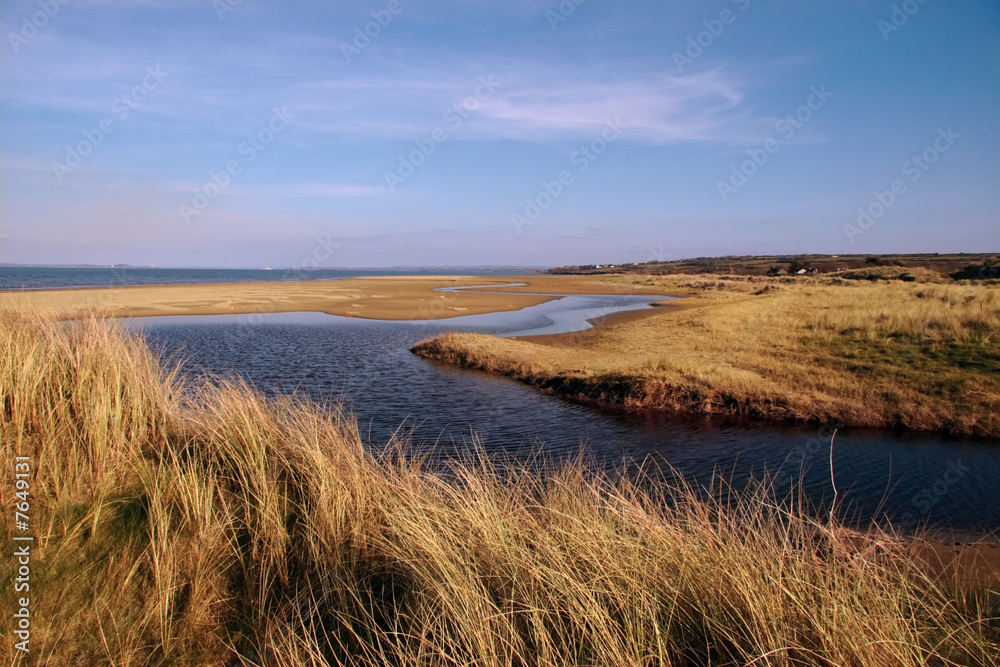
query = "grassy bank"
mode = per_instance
[
  {"x": 870, "y": 351},
  {"x": 181, "y": 525}
]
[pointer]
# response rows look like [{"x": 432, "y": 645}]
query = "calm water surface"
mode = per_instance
[
  {"x": 913, "y": 479},
  {"x": 38, "y": 277}
]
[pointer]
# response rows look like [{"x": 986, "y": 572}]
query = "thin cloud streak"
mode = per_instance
[
  {"x": 396, "y": 102},
  {"x": 319, "y": 190}
]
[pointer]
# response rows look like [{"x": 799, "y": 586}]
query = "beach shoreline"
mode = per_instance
[{"x": 376, "y": 297}]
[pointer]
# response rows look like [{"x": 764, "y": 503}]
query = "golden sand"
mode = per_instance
[{"x": 379, "y": 298}]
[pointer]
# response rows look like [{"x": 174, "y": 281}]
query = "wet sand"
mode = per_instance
[
  {"x": 379, "y": 298},
  {"x": 967, "y": 564}
]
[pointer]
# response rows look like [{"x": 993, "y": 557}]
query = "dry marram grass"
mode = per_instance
[{"x": 184, "y": 526}]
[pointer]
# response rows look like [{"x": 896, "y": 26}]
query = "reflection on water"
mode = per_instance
[{"x": 366, "y": 364}]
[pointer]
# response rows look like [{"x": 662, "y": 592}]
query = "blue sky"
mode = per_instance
[{"x": 260, "y": 133}]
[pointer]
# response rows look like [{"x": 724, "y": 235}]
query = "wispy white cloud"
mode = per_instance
[
  {"x": 528, "y": 105},
  {"x": 220, "y": 86},
  {"x": 320, "y": 190},
  {"x": 10, "y": 162},
  {"x": 655, "y": 107}
]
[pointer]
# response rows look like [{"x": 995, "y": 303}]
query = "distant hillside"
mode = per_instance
[{"x": 960, "y": 265}]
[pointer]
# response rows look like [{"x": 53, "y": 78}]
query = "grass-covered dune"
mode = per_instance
[
  {"x": 206, "y": 525},
  {"x": 865, "y": 349}
]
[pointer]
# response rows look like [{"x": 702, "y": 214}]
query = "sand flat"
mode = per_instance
[{"x": 379, "y": 297}]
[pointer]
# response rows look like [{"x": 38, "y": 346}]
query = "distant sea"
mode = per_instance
[{"x": 35, "y": 277}]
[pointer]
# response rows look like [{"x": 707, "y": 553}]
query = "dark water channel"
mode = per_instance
[{"x": 913, "y": 479}]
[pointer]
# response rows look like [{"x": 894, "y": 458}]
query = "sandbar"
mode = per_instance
[{"x": 378, "y": 298}]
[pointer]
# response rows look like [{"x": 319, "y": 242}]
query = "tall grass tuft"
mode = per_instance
[{"x": 182, "y": 525}]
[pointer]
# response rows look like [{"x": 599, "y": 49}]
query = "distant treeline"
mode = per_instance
[{"x": 958, "y": 266}]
